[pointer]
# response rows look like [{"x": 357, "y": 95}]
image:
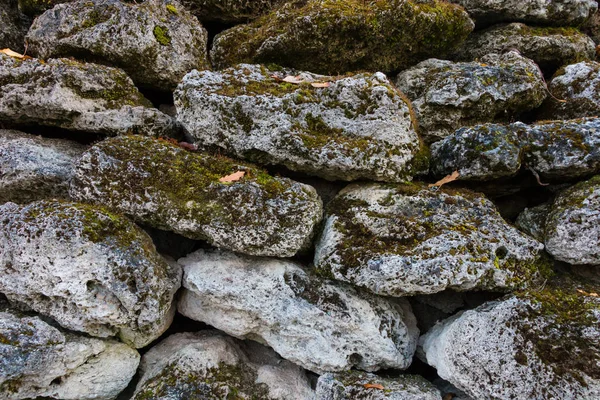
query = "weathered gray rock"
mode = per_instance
[
  {"x": 156, "y": 41},
  {"x": 533, "y": 221},
  {"x": 210, "y": 365},
  {"x": 35, "y": 168},
  {"x": 339, "y": 36},
  {"x": 358, "y": 127},
  {"x": 550, "y": 48},
  {"x": 447, "y": 95},
  {"x": 402, "y": 240},
  {"x": 90, "y": 270},
  {"x": 80, "y": 97},
  {"x": 164, "y": 186},
  {"x": 351, "y": 386},
  {"x": 13, "y": 26},
  {"x": 592, "y": 27},
  {"x": 575, "y": 92},
  {"x": 39, "y": 360},
  {"x": 573, "y": 225},
  {"x": 230, "y": 11},
  {"x": 548, "y": 12},
  {"x": 536, "y": 345},
  {"x": 312, "y": 322}
]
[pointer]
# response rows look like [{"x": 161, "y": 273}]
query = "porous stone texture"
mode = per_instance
[
  {"x": 351, "y": 385},
  {"x": 87, "y": 98},
  {"x": 337, "y": 36},
  {"x": 13, "y": 26},
  {"x": 556, "y": 150},
  {"x": 575, "y": 92},
  {"x": 39, "y": 360},
  {"x": 358, "y": 127},
  {"x": 573, "y": 225},
  {"x": 156, "y": 41},
  {"x": 90, "y": 270},
  {"x": 548, "y": 12},
  {"x": 35, "y": 168},
  {"x": 533, "y": 221},
  {"x": 402, "y": 240},
  {"x": 538, "y": 344},
  {"x": 164, "y": 186},
  {"x": 550, "y": 48},
  {"x": 211, "y": 365},
  {"x": 312, "y": 322},
  {"x": 231, "y": 11},
  {"x": 448, "y": 95}
]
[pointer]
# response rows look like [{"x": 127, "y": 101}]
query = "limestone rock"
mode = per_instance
[
  {"x": 76, "y": 96},
  {"x": 533, "y": 221},
  {"x": 533, "y": 345},
  {"x": 230, "y": 11},
  {"x": 312, "y": 322},
  {"x": 40, "y": 360},
  {"x": 164, "y": 186},
  {"x": 351, "y": 386},
  {"x": 402, "y": 240},
  {"x": 90, "y": 270},
  {"x": 337, "y": 36},
  {"x": 550, "y": 48},
  {"x": 573, "y": 225},
  {"x": 358, "y": 127},
  {"x": 35, "y": 168},
  {"x": 210, "y": 365},
  {"x": 13, "y": 26},
  {"x": 156, "y": 41},
  {"x": 447, "y": 95}
]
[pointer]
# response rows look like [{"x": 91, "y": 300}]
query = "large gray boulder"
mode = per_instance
[
  {"x": 402, "y": 240},
  {"x": 573, "y": 225},
  {"x": 541, "y": 344},
  {"x": 448, "y": 95},
  {"x": 90, "y": 270},
  {"x": 13, "y": 26},
  {"x": 358, "y": 127},
  {"x": 340, "y": 36},
  {"x": 156, "y": 41},
  {"x": 80, "y": 97},
  {"x": 164, "y": 186},
  {"x": 312, "y": 322},
  {"x": 211, "y": 365},
  {"x": 35, "y": 168},
  {"x": 38, "y": 360},
  {"x": 230, "y": 11}
]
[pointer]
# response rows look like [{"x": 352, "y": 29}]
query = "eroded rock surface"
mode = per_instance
[
  {"x": 13, "y": 26},
  {"x": 231, "y": 11},
  {"x": 312, "y": 322}
]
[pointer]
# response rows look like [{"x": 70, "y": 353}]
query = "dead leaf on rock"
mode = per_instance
[
  {"x": 14, "y": 54},
  {"x": 373, "y": 386},
  {"x": 293, "y": 79},
  {"x": 236, "y": 176},
  {"x": 450, "y": 178},
  {"x": 188, "y": 146},
  {"x": 320, "y": 84},
  {"x": 592, "y": 294}
]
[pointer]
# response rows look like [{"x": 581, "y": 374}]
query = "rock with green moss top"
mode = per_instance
[
  {"x": 211, "y": 365},
  {"x": 402, "y": 240},
  {"x": 550, "y": 48},
  {"x": 532, "y": 345},
  {"x": 533, "y": 221},
  {"x": 547, "y": 12},
  {"x": 354, "y": 385},
  {"x": 318, "y": 324},
  {"x": 337, "y": 36},
  {"x": 230, "y": 11},
  {"x": 90, "y": 270},
  {"x": 360, "y": 127},
  {"x": 156, "y": 42},
  {"x": 13, "y": 26},
  {"x": 35, "y": 168},
  {"x": 573, "y": 225},
  {"x": 448, "y": 95},
  {"x": 164, "y": 186},
  {"x": 575, "y": 92},
  {"x": 39, "y": 360},
  {"x": 80, "y": 97}
]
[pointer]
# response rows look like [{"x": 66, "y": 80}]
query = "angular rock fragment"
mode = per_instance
[
  {"x": 358, "y": 127},
  {"x": 80, "y": 97},
  {"x": 164, "y": 186},
  {"x": 231, "y": 11},
  {"x": 337, "y": 36},
  {"x": 402, "y": 240},
  {"x": 40, "y": 360},
  {"x": 90, "y": 270},
  {"x": 34, "y": 168},
  {"x": 447, "y": 95},
  {"x": 533, "y": 221},
  {"x": 156, "y": 42},
  {"x": 312, "y": 322},
  {"x": 573, "y": 225},
  {"x": 13, "y": 26},
  {"x": 210, "y": 365},
  {"x": 537, "y": 344}
]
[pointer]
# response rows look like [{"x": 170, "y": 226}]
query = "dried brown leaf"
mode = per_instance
[
  {"x": 320, "y": 84},
  {"x": 236, "y": 176},
  {"x": 450, "y": 178},
  {"x": 373, "y": 386},
  {"x": 188, "y": 146},
  {"x": 293, "y": 79},
  {"x": 14, "y": 54}
]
